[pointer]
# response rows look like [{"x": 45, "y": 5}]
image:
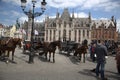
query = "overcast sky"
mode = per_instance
[{"x": 10, "y": 10}]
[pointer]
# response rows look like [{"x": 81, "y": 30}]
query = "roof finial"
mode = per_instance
[
  {"x": 57, "y": 14},
  {"x": 112, "y": 18},
  {"x": 89, "y": 17}
]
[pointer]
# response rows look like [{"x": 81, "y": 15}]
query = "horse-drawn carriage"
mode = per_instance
[
  {"x": 42, "y": 48},
  {"x": 75, "y": 48},
  {"x": 36, "y": 46},
  {"x": 68, "y": 47}
]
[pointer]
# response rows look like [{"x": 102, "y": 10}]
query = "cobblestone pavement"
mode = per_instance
[{"x": 65, "y": 68}]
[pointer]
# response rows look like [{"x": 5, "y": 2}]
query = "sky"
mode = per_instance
[{"x": 10, "y": 10}]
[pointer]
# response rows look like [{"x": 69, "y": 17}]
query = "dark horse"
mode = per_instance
[
  {"x": 50, "y": 48},
  {"x": 9, "y": 45},
  {"x": 81, "y": 50}
]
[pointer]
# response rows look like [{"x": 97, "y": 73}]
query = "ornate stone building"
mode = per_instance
[
  {"x": 66, "y": 27},
  {"x": 104, "y": 30}
]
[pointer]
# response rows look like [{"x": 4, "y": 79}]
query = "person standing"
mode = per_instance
[
  {"x": 101, "y": 55},
  {"x": 93, "y": 52},
  {"x": 117, "y": 58}
]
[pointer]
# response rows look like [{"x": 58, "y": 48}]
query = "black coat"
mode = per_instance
[{"x": 101, "y": 52}]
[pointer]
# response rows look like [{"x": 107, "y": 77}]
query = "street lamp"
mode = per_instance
[{"x": 32, "y": 15}]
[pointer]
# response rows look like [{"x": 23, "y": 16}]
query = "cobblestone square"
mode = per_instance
[{"x": 65, "y": 68}]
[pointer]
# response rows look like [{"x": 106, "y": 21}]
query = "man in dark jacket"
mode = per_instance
[
  {"x": 118, "y": 60},
  {"x": 101, "y": 54}
]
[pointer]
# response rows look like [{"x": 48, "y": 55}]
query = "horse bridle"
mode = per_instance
[{"x": 8, "y": 41}]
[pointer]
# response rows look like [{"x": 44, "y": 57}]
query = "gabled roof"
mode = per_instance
[
  {"x": 81, "y": 21},
  {"x": 65, "y": 15},
  {"x": 106, "y": 23}
]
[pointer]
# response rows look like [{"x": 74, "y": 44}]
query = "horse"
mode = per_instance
[
  {"x": 50, "y": 48},
  {"x": 11, "y": 44},
  {"x": 3, "y": 42},
  {"x": 81, "y": 50},
  {"x": 44, "y": 46}
]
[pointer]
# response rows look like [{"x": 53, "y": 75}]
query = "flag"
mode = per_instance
[{"x": 36, "y": 32}]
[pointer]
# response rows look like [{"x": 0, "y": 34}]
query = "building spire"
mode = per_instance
[
  {"x": 73, "y": 14},
  {"x": 89, "y": 17},
  {"x": 112, "y": 18},
  {"x": 57, "y": 14},
  {"x": 115, "y": 23},
  {"x": 65, "y": 15}
]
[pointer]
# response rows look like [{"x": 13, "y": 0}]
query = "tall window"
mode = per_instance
[
  {"x": 64, "y": 24},
  {"x": 87, "y": 33},
  {"x": 79, "y": 35},
  {"x": 46, "y": 35},
  {"x": 59, "y": 25},
  {"x": 113, "y": 34},
  {"x": 64, "y": 35},
  {"x": 83, "y": 33},
  {"x": 54, "y": 36},
  {"x": 59, "y": 33},
  {"x": 109, "y": 34},
  {"x": 70, "y": 35},
  {"x": 75, "y": 35},
  {"x": 50, "y": 35}
]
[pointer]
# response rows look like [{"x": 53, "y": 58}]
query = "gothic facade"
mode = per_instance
[{"x": 66, "y": 27}]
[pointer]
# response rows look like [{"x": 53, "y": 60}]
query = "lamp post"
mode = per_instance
[{"x": 32, "y": 15}]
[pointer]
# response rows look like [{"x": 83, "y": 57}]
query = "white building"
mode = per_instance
[{"x": 66, "y": 27}]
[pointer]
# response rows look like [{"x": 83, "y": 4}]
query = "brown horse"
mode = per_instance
[
  {"x": 3, "y": 42},
  {"x": 81, "y": 50},
  {"x": 10, "y": 45},
  {"x": 50, "y": 48}
]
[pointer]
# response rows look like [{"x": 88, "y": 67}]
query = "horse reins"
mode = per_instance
[{"x": 8, "y": 41}]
